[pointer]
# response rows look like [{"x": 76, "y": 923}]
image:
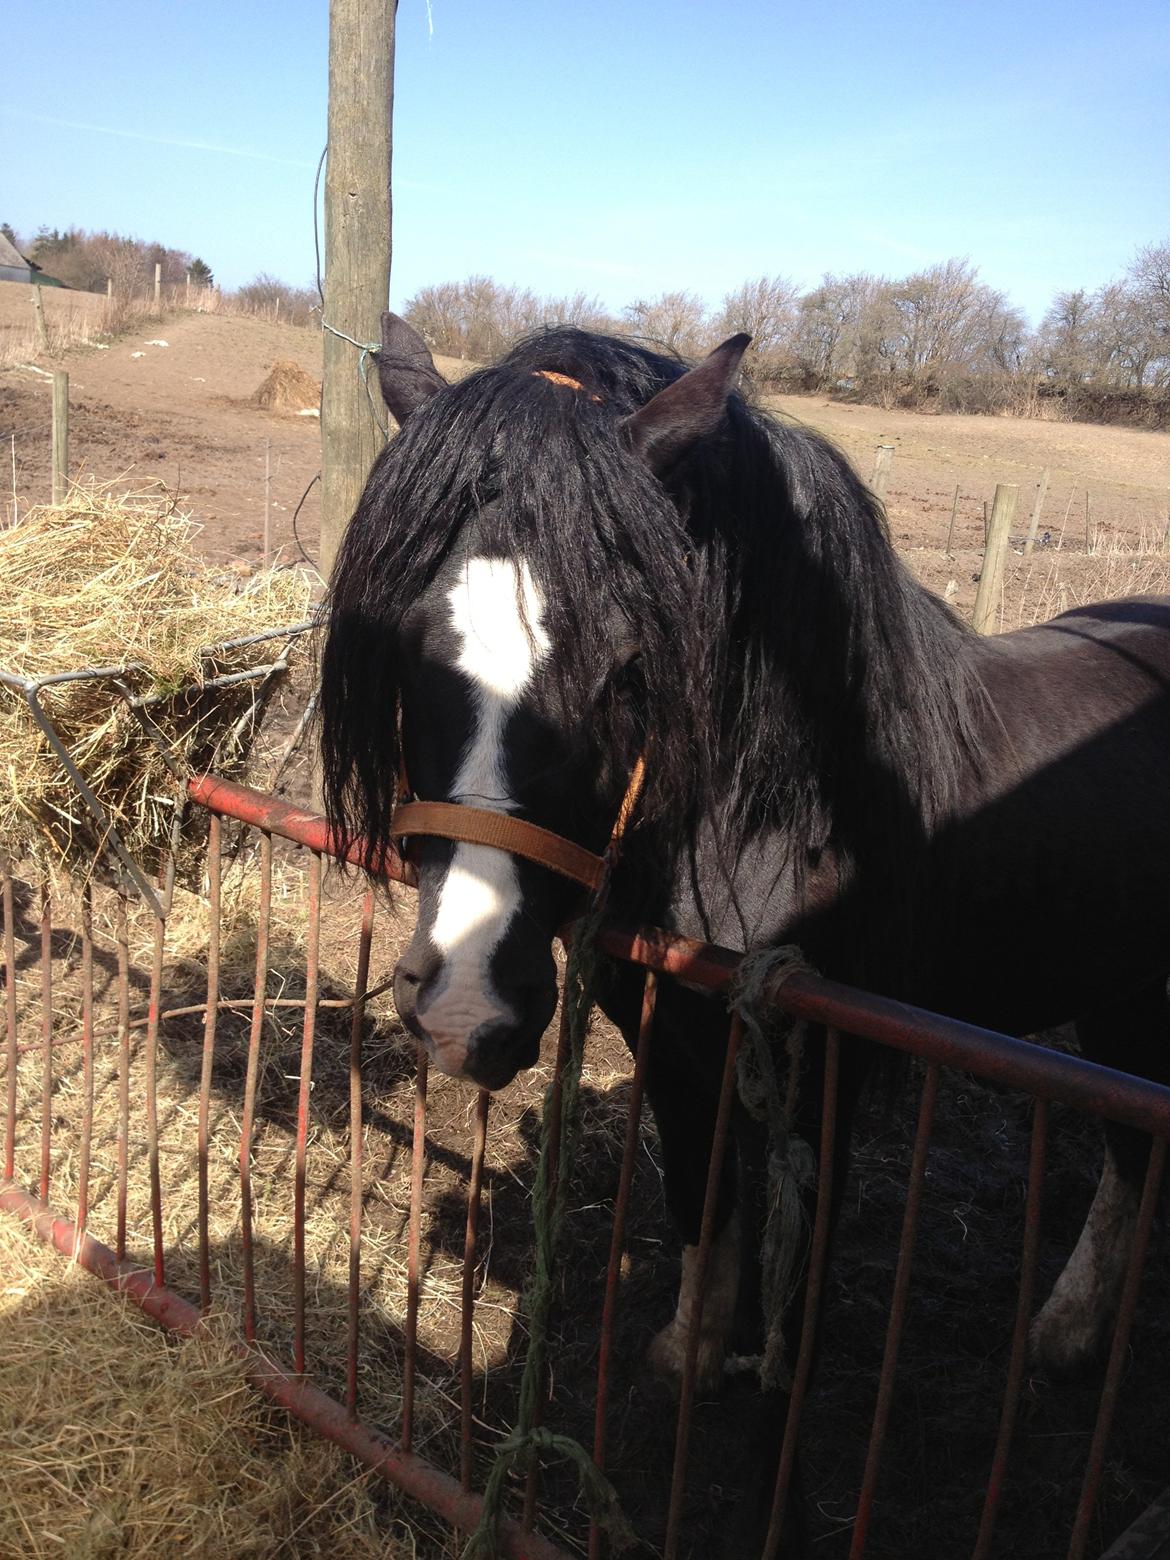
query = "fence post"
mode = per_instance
[
  {"x": 882, "y": 458},
  {"x": 158, "y": 287},
  {"x": 357, "y": 251},
  {"x": 1034, "y": 523},
  {"x": 38, "y": 304},
  {"x": 267, "y": 500},
  {"x": 60, "y": 435},
  {"x": 1003, "y": 512},
  {"x": 951, "y": 527}
]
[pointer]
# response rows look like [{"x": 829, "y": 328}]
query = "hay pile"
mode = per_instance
[
  {"x": 116, "y": 1440},
  {"x": 288, "y": 388},
  {"x": 113, "y": 580}
]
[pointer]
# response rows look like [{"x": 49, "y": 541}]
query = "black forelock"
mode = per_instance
[{"x": 785, "y": 651}]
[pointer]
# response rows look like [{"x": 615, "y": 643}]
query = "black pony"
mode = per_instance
[{"x": 588, "y": 553}]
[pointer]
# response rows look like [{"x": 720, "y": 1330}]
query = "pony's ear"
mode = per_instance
[
  {"x": 406, "y": 370},
  {"x": 692, "y": 407}
]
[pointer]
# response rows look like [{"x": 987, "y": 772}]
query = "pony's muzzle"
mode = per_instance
[{"x": 467, "y": 1035}]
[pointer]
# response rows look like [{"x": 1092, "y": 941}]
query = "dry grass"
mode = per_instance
[
  {"x": 111, "y": 580},
  {"x": 288, "y": 388},
  {"x": 118, "y": 1441}
]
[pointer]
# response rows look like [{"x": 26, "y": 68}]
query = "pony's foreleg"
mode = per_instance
[
  {"x": 1075, "y": 1322},
  {"x": 1071, "y": 1328},
  {"x": 667, "y": 1352}
]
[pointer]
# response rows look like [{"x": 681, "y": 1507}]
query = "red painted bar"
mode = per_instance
[
  {"x": 312, "y": 959},
  {"x": 10, "y": 1018},
  {"x": 86, "y": 1056},
  {"x": 417, "y": 1172},
  {"x": 467, "y": 1300},
  {"x": 46, "y": 1037},
  {"x": 355, "y": 1155},
  {"x": 1018, "y": 1360},
  {"x": 250, "y": 1079},
  {"x": 702, "y": 1256},
  {"x": 210, "y": 1016},
  {"x": 617, "y": 1244},
  {"x": 156, "y": 1219},
  {"x": 122, "y": 935},
  {"x": 881, "y": 1413},
  {"x": 309, "y": 1404}
]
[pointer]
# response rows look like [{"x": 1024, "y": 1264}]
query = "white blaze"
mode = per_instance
[{"x": 496, "y": 611}]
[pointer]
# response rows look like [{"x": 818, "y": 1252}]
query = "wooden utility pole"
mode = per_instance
[
  {"x": 38, "y": 304},
  {"x": 357, "y": 252},
  {"x": 60, "y": 435},
  {"x": 1003, "y": 512}
]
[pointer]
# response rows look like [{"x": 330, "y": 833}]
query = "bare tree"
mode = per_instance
[
  {"x": 674, "y": 320},
  {"x": 767, "y": 310}
]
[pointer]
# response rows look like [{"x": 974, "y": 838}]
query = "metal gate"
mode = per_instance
[{"x": 50, "y": 1174}]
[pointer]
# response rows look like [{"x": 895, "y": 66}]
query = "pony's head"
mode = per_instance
[{"x": 517, "y": 614}]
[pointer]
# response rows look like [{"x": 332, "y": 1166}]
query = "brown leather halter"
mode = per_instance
[{"x": 502, "y": 831}]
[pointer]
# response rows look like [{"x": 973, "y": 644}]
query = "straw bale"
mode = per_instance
[
  {"x": 288, "y": 388},
  {"x": 117, "y": 1440},
  {"x": 104, "y": 580}
]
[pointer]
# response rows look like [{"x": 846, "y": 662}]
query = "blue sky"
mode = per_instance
[{"x": 622, "y": 147}]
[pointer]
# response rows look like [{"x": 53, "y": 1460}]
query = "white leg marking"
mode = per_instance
[
  {"x": 668, "y": 1350},
  {"x": 1075, "y": 1320},
  {"x": 496, "y": 611}
]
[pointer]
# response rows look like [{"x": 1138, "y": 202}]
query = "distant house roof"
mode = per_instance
[{"x": 15, "y": 268}]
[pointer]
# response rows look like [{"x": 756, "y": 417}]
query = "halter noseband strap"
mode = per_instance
[{"x": 502, "y": 831}]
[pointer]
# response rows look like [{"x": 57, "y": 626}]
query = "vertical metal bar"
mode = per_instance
[
  {"x": 210, "y": 1019},
  {"x": 156, "y": 1221},
  {"x": 1018, "y": 1358},
  {"x": 86, "y": 1058},
  {"x": 813, "y": 1290},
  {"x": 122, "y": 936},
  {"x": 46, "y": 1037},
  {"x": 897, "y": 1320},
  {"x": 355, "y": 1153},
  {"x": 417, "y": 1170},
  {"x": 554, "y": 1153},
  {"x": 258, "y": 994},
  {"x": 706, "y": 1234},
  {"x": 10, "y": 1016},
  {"x": 306, "y": 1084},
  {"x": 467, "y": 1302},
  {"x": 1118, "y": 1351},
  {"x": 617, "y": 1244}
]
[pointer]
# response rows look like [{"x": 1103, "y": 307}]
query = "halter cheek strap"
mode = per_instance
[{"x": 502, "y": 831}]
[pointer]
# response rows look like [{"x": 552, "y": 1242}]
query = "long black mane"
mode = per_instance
[{"x": 795, "y": 677}]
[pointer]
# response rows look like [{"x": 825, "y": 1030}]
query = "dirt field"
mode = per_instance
[{"x": 183, "y": 412}]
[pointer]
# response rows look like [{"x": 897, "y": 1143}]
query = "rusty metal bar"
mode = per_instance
[
  {"x": 122, "y": 938},
  {"x": 553, "y": 1105},
  {"x": 702, "y": 1256},
  {"x": 312, "y": 956},
  {"x": 617, "y": 1244},
  {"x": 1018, "y": 1359},
  {"x": 885, "y": 1396},
  {"x": 10, "y": 1020},
  {"x": 282, "y": 818},
  {"x": 86, "y": 1056},
  {"x": 250, "y": 1079},
  {"x": 813, "y": 1290},
  {"x": 467, "y": 1299},
  {"x": 46, "y": 1036},
  {"x": 211, "y": 1013},
  {"x": 355, "y": 1155},
  {"x": 414, "y": 1476},
  {"x": 1118, "y": 1350},
  {"x": 1001, "y": 1059},
  {"x": 417, "y": 1172},
  {"x": 156, "y": 1218}
]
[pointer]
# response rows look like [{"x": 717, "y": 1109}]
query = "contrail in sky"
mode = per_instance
[{"x": 158, "y": 140}]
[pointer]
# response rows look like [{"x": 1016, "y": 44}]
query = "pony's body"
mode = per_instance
[{"x": 547, "y": 581}]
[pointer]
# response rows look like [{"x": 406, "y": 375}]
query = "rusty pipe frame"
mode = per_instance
[
  {"x": 299, "y": 1397},
  {"x": 998, "y": 1058}
]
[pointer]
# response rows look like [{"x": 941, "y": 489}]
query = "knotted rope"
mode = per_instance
[
  {"x": 791, "y": 1162},
  {"x": 528, "y": 1439}
]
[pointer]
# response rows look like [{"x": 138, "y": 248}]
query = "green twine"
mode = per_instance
[
  {"x": 528, "y": 1439},
  {"x": 791, "y": 1163}
]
